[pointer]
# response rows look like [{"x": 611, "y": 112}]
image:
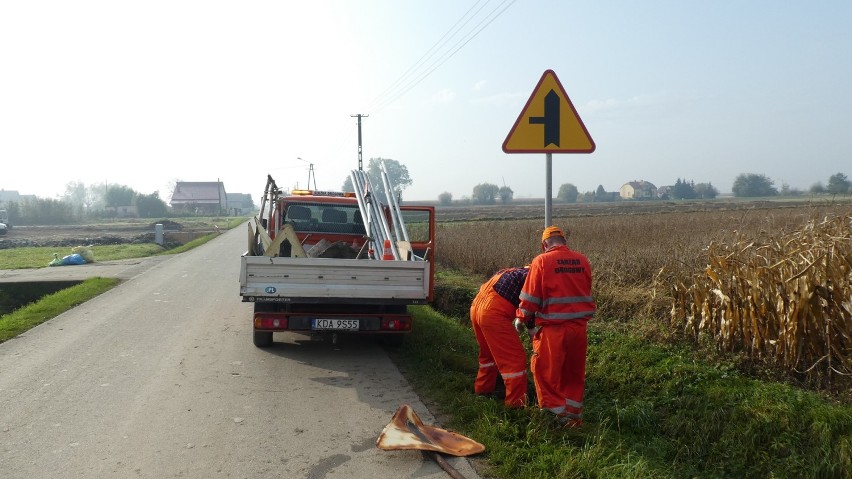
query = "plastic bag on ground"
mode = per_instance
[
  {"x": 73, "y": 259},
  {"x": 85, "y": 252},
  {"x": 55, "y": 261}
]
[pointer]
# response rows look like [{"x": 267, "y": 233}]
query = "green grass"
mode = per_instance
[
  {"x": 454, "y": 292},
  {"x": 223, "y": 222},
  {"x": 37, "y": 257},
  {"x": 651, "y": 411},
  {"x": 192, "y": 244},
  {"x": 50, "y": 306}
]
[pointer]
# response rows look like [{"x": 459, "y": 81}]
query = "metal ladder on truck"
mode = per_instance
[{"x": 372, "y": 212}]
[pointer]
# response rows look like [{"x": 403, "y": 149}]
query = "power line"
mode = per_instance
[
  {"x": 410, "y": 78},
  {"x": 470, "y": 35},
  {"x": 429, "y": 53}
]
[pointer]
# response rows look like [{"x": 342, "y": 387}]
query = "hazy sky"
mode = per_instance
[{"x": 147, "y": 93}]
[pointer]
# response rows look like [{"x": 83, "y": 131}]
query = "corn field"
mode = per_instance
[
  {"x": 771, "y": 282},
  {"x": 785, "y": 299}
]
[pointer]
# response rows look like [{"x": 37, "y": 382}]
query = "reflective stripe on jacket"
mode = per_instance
[{"x": 558, "y": 287}]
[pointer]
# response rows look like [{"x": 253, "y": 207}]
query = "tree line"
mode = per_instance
[
  {"x": 753, "y": 185},
  {"x": 80, "y": 201},
  {"x": 746, "y": 185}
]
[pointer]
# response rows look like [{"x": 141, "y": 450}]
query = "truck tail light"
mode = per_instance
[
  {"x": 396, "y": 323},
  {"x": 270, "y": 321}
]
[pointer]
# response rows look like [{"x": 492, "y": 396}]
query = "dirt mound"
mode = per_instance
[
  {"x": 168, "y": 225},
  {"x": 77, "y": 235}
]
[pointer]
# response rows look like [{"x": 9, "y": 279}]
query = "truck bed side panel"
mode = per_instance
[{"x": 265, "y": 278}]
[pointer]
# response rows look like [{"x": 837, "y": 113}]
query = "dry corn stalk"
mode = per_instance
[{"x": 786, "y": 300}]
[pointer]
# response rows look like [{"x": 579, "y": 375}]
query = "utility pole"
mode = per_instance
[
  {"x": 360, "y": 159},
  {"x": 219, "y": 191},
  {"x": 310, "y": 172}
]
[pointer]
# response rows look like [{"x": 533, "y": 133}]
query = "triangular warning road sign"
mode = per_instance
[{"x": 549, "y": 123}]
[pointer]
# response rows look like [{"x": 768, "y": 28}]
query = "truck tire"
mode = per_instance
[{"x": 263, "y": 339}]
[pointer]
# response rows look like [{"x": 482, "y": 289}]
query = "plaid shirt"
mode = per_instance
[{"x": 510, "y": 283}]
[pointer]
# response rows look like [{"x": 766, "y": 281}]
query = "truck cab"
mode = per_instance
[{"x": 320, "y": 217}]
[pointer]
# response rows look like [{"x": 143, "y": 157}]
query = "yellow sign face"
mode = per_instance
[{"x": 549, "y": 123}]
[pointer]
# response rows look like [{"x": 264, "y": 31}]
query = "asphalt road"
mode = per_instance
[{"x": 159, "y": 378}]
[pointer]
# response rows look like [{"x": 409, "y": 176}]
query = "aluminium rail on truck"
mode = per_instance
[{"x": 312, "y": 280}]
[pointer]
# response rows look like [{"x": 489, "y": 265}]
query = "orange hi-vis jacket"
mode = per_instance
[
  {"x": 557, "y": 296},
  {"x": 558, "y": 288}
]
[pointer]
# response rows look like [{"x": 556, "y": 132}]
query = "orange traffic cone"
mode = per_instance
[{"x": 387, "y": 253}]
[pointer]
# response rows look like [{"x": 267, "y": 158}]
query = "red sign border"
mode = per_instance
[{"x": 527, "y": 105}]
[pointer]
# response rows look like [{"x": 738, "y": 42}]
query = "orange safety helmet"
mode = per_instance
[{"x": 550, "y": 232}]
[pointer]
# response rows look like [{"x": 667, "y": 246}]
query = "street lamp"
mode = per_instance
[{"x": 310, "y": 172}]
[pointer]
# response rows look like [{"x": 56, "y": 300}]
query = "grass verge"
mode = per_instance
[
  {"x": 651, "y": 411},
  {"x": 38, "y": 257},
  {"x": 192, "y": 244},
  {"x": 50, "y": 306}
]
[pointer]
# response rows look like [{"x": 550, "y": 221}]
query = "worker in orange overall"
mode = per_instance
[
  {"x": 500, "y": 350},
  {"x": 555, "y": 303}
]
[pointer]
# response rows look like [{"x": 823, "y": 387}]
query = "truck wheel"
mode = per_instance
[{"x": 263, "y": 339}]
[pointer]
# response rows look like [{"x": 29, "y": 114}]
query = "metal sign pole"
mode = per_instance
[{"x": 548, "y": 187}]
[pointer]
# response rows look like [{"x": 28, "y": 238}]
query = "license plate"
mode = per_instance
[{"x": 335, "y": 324}]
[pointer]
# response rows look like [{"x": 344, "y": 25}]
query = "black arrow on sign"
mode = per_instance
[{"x": 550, "y": 120}]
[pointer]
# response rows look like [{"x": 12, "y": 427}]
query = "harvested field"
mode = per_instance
[
  {"x": 528, "y": 209},
  {"x": 638, "y": 256}
]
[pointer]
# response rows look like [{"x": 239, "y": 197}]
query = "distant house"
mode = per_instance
[
  {"x": 638, "y": 190},
  {"x": 664, "y": 192},
  {"x": 9, "y": 196},
  {"x": 200, "y": 197},
  {"x": 240, "y": 204}
]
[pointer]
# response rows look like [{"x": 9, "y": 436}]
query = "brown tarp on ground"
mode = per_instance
[{"x": 406, "y": 432}]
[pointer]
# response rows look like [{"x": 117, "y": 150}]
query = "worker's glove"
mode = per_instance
[
  {"x": 532, "y": 331},
  {"x": 519, "y": 324}
]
